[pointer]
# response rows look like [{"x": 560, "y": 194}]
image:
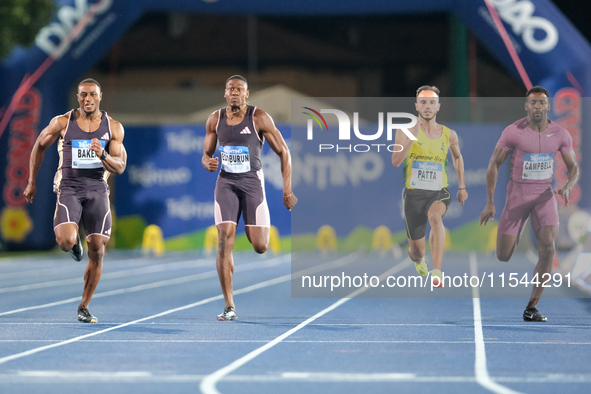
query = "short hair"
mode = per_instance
[
  {"x": 240, "y": 77},
  {"x": 90, "y": 80},
  {"x": 427, "y": 87},
  {"x": 537, "y": 89}
]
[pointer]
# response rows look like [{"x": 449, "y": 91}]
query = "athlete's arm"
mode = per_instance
[
  {"x": 572, "y": 175},
  {"x": 492, "y": 173},
  {"x": 458, "y": 160},
  {"x": 265, "y": 124},
  {"x": 116, "y": 160},
  {"x": 402, "y": 139},
  {"x": 209, "y": 143},
  {"x": 45, "y": 139}
]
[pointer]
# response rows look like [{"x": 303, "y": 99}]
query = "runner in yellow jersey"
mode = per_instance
[{"x": 425, "y": 194}]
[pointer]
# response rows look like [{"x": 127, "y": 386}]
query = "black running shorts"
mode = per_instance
[
  {"x": 416, "y": 207},
  {"x": 92, "y": 206},
  {"x": 244, "y": 195}
]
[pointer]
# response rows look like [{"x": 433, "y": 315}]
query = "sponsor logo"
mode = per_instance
[
  {"x": 184, "y": 141},
  {"x": 52, "y": 39},
  {"x": 105, "y": 136},
  {"x": 539, "y": 34},
  {"x": 246, "y": 130},
  {"x": 148, "y": 175}
]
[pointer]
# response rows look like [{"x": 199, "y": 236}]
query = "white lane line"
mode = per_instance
[
  {"x": 113, "y": 275},
  {"x": 341, "y": 261},
  {"x": 208, "y": 385},
  {"x": 480, "y": 369},
  {"x": 204, "y": 275},
  {"x": 47, "y": 376},
  {"x": 293, "y": 341}
]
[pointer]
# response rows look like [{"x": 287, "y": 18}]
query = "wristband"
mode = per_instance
[
  {"x": 288, "y": 196},
  {"x": 461, "y": 188},
  {"x": 104, "y": 155}
]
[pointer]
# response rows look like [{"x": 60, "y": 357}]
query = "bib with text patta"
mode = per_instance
[
  {"x": 426, "y": 175},
  {"x": 235, "y": 159},
  {"x": 537, "y": 166},
  {"x": 83, "y": 157}
]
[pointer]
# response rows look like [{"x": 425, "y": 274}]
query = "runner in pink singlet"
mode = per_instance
[{"x": 532, "y": 143}]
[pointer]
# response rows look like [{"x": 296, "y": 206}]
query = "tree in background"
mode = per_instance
[{"x": 21, "y": 20}]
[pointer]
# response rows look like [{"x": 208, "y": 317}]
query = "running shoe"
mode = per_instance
[
  {"x": 436, "y": 277},
  {"x": 532, "y": 314},
  {"x": 422, "y": 267},
  {"x": 77, "y": 250},
  {"x": 229, "y": 314},
  {"x": 85, "y": 316}
]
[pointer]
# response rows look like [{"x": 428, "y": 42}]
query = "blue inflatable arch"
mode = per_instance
[{"x": 553, "y": 54}]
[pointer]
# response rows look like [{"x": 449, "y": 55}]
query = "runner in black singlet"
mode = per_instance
[
  {"x": 90, "y": 142},
  {"x": 240, "y": 189}
]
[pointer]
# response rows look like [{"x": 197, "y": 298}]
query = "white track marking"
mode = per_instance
[
  {"x": 208, "y": 385},
  {"x": 154, "y": 285},
  {"x": 480, "y": 369},
  {"x": 48, "y": 376},
  {"x": 344, "y": 260},
  {"x": 113, "y": 275}
]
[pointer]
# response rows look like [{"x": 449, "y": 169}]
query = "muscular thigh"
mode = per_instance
[
  {"x": 254, "y": 203},
  {"x": 68, "y": 208},
  {"x": 227, "y": 203}
]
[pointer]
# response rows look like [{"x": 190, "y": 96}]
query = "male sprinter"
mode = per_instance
[
  {"x": 90, "y": 142},
  {"x": 240, "y": 189},
  {"x": 425, "y": 193},
  {"x": 532, "y": 142}
]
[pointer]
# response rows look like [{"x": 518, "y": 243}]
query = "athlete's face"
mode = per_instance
[
  {"x": 89, "y": 97},
  {"x": 427, "y": 104},
  {"x": 537, "y": 106},
  {"x": 236, "y": 93}
]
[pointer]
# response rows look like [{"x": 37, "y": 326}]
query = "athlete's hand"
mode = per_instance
[
  {"x": 211, "y": 164},
  {"x": 289, "y": 200},
  {"x": 30, "y": 192},
  {"x": 96, "y": 147},
  {"x": 564, "y": 193},
  {"x": 488, "y": 213},
  {"x": 462, "y": 196}
]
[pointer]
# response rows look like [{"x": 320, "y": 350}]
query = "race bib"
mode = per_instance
[
  {"x": 83, "y": 157},
  {"x": 538, "y": 166},
  {"x": 235, "y": 159},
  {"x": 426, "y": 175}
]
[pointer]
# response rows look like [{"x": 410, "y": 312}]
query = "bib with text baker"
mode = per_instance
[
  {"x": 83, "y": 157},
  {"x": 235, "y": 159}
]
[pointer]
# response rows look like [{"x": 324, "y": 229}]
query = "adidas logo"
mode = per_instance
[
  {"x": 246, "y": 131},
  {"x": 105, "y": 137}
]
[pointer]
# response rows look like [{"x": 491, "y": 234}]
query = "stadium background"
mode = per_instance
[{"x": 162, "y": 67}]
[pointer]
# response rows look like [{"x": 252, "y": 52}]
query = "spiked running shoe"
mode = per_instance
[
  {"x": 77, "y": 250},
  {"x": 532, "y": 314},
  {"x": 422, "y": 267},
  {"x": 229, "y": 314},
  {"x": 436, "y": 278},
  {"x": 85, "y": 316}
]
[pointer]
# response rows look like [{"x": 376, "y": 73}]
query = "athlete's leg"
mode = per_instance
[
  {"x": 416, "y": 249},
  {"x": 545, "y": 237},
  {"x": 66, "y": 236},
  {"x": 258, "y": 236},
  {"x": 505, "y": 246},
  {"x": 94, "y": 268},
  {"x": 437, "y": 233},
  {"x": 224, "y": 261}
]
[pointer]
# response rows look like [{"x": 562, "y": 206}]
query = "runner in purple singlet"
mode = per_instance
[
  {"x": 241, "y": 130},
  {"x": 90, "y": 147},
  {"x": 532, "y": 143}
]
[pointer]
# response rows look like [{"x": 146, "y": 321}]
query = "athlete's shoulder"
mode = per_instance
[
  {"x": 518, "y": 125},
  {"x": 61, "y": 121},
  {"x": 556, "y": 128}
]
